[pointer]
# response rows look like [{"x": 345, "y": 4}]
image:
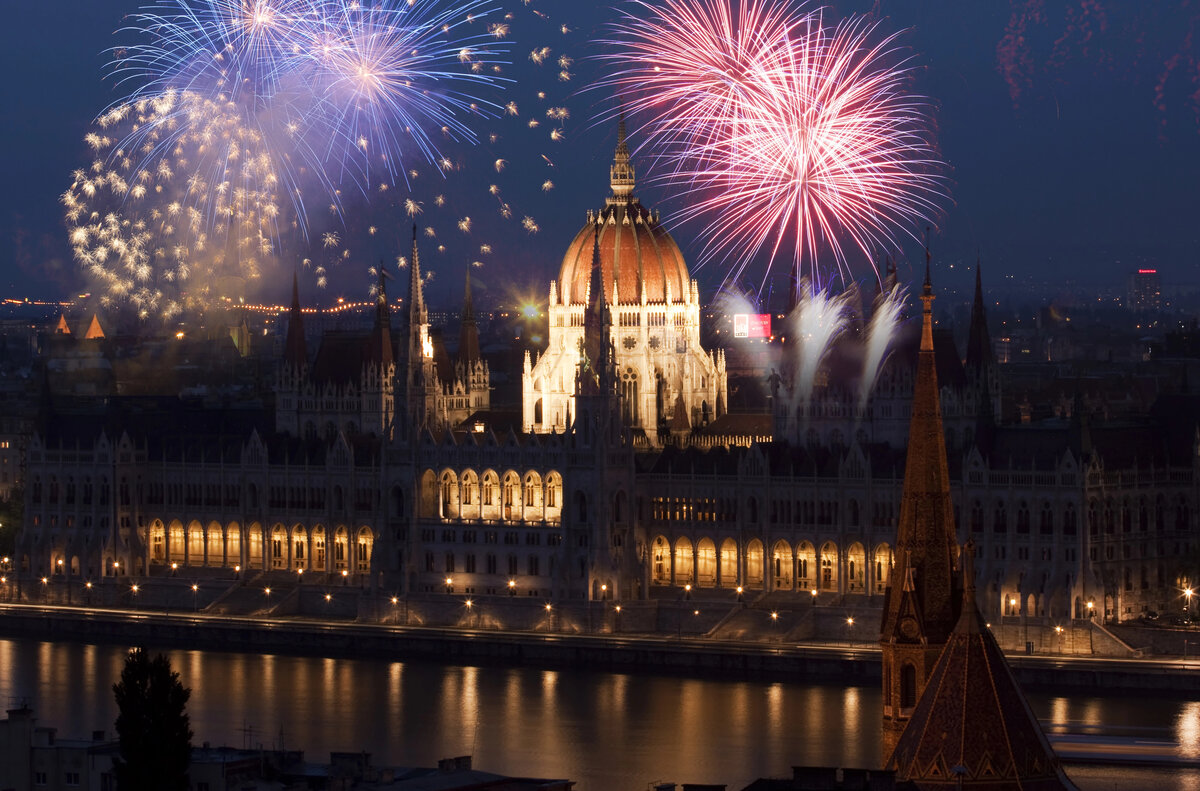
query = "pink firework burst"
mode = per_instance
[{"x": 790, "y": 138}]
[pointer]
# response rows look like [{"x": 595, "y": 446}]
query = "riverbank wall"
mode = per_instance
[{"x": 855, "y": 663}]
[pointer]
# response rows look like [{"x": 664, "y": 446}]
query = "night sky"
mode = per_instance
[{"x": 1071, "y": 130}]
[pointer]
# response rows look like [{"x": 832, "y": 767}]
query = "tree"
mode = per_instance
[{"x": 152, "y": 726}]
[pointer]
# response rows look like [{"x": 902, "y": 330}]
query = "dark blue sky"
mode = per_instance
[{"x": 1072, "y": 132}]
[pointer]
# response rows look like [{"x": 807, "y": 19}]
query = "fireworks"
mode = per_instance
[
  {"x": 170, "y": 219},
  {"x": 789, "y": 137},
  {"x": 356, "y": 86},
  {"x": 880, "y": 334}
]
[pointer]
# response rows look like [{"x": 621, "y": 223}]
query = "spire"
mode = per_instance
[
  {"x": 295, "y": 351},
  {"x": 926, "y": 537},
  {"x": 919, "y": 617},
  {"x": 379, "y": 350},
  {"x": 622, "y": 173},
  {"x": 468, "y": 335},
  {"x": 979, "y": 343},
  {"x": 595, "y": 323}
]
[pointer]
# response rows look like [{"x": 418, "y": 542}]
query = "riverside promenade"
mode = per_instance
[{"x": 849, "y": 661}]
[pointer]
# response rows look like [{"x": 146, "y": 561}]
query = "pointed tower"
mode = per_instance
[
  {"x": 468, "y": 333},
  {"x": 621, "y": 173},
  {"x": 377, "y": 384},
  {"x": 981, "y": 367},
  {"x": 923, "y": 596},
  {"x": 421, "y": 380},
  {"x": 973, "y": 728},
  {"x": 295, "y": 353},
  {"x": 293, "y": 372}
]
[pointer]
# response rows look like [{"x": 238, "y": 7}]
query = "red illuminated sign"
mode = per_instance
[
  {"x": 752, "y": 325},
  {"x": 1147, "y": 271}
]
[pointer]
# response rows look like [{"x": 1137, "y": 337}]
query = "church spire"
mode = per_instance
[{"x": 919, "y": 617}]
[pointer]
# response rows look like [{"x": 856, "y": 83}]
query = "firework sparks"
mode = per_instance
[{"x": 790, "y": 137}]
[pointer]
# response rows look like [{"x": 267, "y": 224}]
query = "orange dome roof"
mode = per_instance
[{"x": 635, "y": 250}]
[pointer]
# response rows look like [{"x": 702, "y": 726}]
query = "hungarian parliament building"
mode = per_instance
[{"x": 622, "y": 475}]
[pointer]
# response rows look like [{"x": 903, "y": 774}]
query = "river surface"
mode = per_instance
[{"x": 606, "y": 731}]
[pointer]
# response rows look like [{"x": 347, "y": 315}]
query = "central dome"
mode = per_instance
[{"x": 635, "y": 250}]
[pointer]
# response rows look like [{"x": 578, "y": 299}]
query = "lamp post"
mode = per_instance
[
  {"x": 740, "y": 593},
  {"x": 1187, "y": 603},
  {"x": 774, "y": 624},
  {"x": 512, "y": 587},
  {"x": 617, "y": 618},
  {"x": 813, "y": 594},
  {"x": 345, "y": 577},
  {"x": 195, "y": 598},
  {"x": 549, "y": 617},
  {"x": 45, "y": 582},
  {"x": 87, "y": 586},
  {"x": 687, "y": 592},
  {"x": 449, "y": 582},
  {"x": 133, "y": 591}
]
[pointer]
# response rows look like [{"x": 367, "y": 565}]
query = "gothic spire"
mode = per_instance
[
  {"x": 979, "y": 344},
  {"x": 926, "y": 536},
  {"x": 295, "y": 352},
  {"x": 468, "y": 335},
  {"x": 919, "y": 616},
  {"x": 416, "y": 298}
]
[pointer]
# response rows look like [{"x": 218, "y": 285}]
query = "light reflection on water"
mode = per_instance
[{"x": 604, "y": 730}]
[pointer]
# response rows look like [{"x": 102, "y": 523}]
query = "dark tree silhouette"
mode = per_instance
[{"x": 152, "y": 726}]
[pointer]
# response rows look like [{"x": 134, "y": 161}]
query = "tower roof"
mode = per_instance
[
  {"x": 468, "y": 334},
  {"x": 636, "y": 252},
  {"x": 972, "y": 728},
  {"x": 379, "y": 349},
  {"x": 979, "y": 342},
  {"x": 295, "y": 351},
  {"x": 926, "y": 608}
]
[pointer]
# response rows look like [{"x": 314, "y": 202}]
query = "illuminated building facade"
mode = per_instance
[{"x": 668, "y": 383}]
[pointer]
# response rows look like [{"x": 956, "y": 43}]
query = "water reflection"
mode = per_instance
[{"x": 604, "y": 730}]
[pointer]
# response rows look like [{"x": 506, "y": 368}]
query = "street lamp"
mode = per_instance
[
  {"x": 1187, "y": 607},
  {"x": 687, "y": 591},
  {"x": 740, "y": 591},
  {"x": 512, "y": 587},
  {"x": 813, "y": 593},
  {"x": 195, "y": 598},
  {"x": 299, "y": 576},
  {"x": 345, "y": 576},
  {"x": 603, "y": 591},
  {"x": 1012, "y": 603},
  {"x": 449, "y": 581},
  {"x": 174, "y": 568},
  {"x": 1091, "y": 607},
  {"x": 617, "y": 618},
  {"x": 60, "y": 566}
]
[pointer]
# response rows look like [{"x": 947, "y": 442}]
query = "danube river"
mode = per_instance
[{"x": 607, "y": 731}]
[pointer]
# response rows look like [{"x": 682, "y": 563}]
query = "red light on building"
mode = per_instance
[{"x": 1147, "y": 271}]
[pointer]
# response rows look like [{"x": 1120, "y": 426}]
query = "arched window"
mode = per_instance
[
  {"x": 581, "y": 508},
  {"x": 537, "y": 412},
  {"x": 908, "y": 685},
  {"x": 999, "y": 518}
]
